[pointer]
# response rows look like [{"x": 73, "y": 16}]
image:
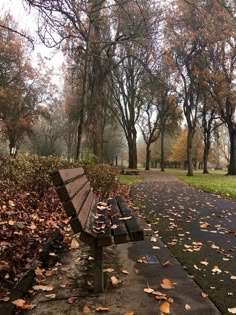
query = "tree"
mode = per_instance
[
  {"x": 186, "y": 46},
  {"x": 22, "y": 88}
]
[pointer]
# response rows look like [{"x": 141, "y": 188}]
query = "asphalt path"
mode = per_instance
[{"x": 200, "y": 230}]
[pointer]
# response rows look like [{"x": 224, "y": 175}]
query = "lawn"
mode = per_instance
[
  {"x": 216, "y": 182},
  {"x": 130, "y": 179}
]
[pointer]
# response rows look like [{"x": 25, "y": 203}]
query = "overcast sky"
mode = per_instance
[{"x": 27, "y": 21}]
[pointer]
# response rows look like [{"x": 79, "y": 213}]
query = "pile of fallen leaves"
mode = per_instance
[{"x": 27, "y": 220}]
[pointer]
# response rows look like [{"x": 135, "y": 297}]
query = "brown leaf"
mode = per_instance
[
  {"x": 5, "y": 299},
  {"x": 166, "y": 263},
  {"x": 125, "y": 272},
  {"x": 115, "y": 281},
  {"x": 128, "y": 313},
  {"x": 20, "y": 303},
  {"x": 165, "y": 308},
  {"x": 43, "y": 287},
  {"x": 108, "y": 270},
  {"x": 166, "y": 284},
  {"x": 102, "y": 309},
  {"x": 187, "y": 307},
  {"x": 74, "y": 244},
  {"x": 72, "y": 300},
  {"x": 148, "y": 290},
  {"x": 86, "y": 309}
]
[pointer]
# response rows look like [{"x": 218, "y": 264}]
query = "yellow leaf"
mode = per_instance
[
  {"x": 166, "y": 284},
  {"x": 165, "y": 308},
  {"x": 11, "y": 222}
]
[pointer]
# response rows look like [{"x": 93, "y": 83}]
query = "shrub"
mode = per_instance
[{"x": 32, "y": 173}]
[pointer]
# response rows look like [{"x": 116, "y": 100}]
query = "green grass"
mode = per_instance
[
  {"x": 130, "y": 179},
  {"x": 216, "y": 182}
]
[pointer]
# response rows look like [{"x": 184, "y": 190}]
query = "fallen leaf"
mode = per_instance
[
  {"x": 5, "y": 299},
  {"x": 233, "y": 277},
  {"x": 108, "y": 270},
  {"x": 102, "y": 309},
  {"x": 204, "y": 263},
  {"x": 50, "y": 296},
  {"x": 165, "y": 308},
  {"x": 166, "y": 263},
  {"x": 187, "y": 307},
  {"x": 125, "y": 272},
  {"x": 86, "y": 309},
  {"x": 148, "y": 290},
  {"x": 72, "y": 300},
  {"x": 216, "y": 269},
  {"x": 74, "y": 243},
  {"x": 166, "y": 284},
  {"x": 43, "y": 287},
  {"x": 115, "y": 281},
  {"x": 11, "y": 222},
  {"x": 232, "y": 310},
  {"x": 20, "y": 303},
  {"x": 129, "y": 313},
  {"x": 204, "y": 295}
]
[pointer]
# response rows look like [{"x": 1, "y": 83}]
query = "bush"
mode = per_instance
[
  {"x": 32, "y": 173},
  {"x": 104, "y": 179}
]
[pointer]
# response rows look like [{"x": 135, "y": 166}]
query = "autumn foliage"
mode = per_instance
[{"x": 30, "y": 210}]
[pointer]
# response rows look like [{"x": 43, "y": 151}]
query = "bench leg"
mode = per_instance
[{"x": 99, "y": 277}]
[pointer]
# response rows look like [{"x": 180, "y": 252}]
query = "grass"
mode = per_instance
[
  {"x": 130, "y": 179},
  {"x": 217, "y": 182}
]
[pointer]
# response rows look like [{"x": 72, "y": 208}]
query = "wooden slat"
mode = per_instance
[
  {"x": 120, "y": 233},
  {"x": 78, "y": 222},
  {"x": 61, "y": 176},
  {"x": 69, "y": 190},
  {"x": 86, "y": 209},
  {"x": 88, "y": 235},
  {"x": 73, "y": 206},
  {"x": 135, "y": 230}
]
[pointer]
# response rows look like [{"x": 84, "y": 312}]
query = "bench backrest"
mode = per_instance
[{"x": 76, "y": 195}]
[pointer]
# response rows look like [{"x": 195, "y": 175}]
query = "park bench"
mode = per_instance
[
  {"x": 130, "y": 171},
  {"x": 100, "y": 224}
]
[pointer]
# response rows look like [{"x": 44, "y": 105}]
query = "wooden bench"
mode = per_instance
[
  {"x": 130, "y": 171},
  {"x": 99, "y": 224}
]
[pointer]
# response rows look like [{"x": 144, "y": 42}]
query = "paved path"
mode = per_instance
[{"x": 199, "y": 229}]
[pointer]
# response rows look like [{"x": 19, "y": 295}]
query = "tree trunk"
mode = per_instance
[
  {"x": 132, "y": 153},
  {"x": 189, "y": 151},
  {"x": 84, "y": 96},
  {"x": 206, "y": 151},
  {"x": 232, "y": 162},
  {"x": 162, "y": 151},
  {"x": 148, "y": 155}
]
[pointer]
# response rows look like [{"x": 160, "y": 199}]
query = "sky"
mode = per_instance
[{"x": 27, "y": 21}]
